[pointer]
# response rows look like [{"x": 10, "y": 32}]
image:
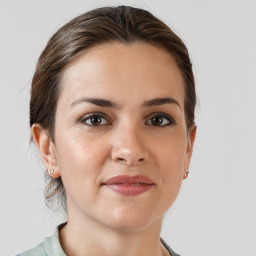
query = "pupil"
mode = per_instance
[
  {"x": 157, "y": 120},
  {"x": 95, "y": 119}
]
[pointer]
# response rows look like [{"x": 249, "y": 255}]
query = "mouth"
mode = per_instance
[{"x": 129, "y": 185}]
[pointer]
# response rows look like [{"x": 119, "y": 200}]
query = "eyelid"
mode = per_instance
[
  {"x": 168, "y": 117},
  {"x": 104, "y": 116},
  {"x": 87, "y": 116}
]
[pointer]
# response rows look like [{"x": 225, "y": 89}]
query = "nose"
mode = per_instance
[{"x": 129, "y": 147}]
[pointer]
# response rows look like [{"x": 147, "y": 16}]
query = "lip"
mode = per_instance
[{"x": 129, "y": 185}]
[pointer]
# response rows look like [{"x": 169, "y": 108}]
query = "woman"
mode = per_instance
[{"x": 112, "y": 115}]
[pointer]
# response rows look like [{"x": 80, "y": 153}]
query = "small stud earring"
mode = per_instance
[
  {"x": 186, "y": 173},
  {"x": 52, "y": 171}
]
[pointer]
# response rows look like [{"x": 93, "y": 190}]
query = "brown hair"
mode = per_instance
[{"x": 124, "y": 24}]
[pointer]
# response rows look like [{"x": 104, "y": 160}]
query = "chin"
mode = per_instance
[{"x": 130, "y": 220}]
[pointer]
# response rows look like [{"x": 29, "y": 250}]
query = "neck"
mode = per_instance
[{"x": 91, "y": 238}]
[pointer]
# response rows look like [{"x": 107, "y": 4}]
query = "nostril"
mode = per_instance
[{"x": 123, "y": 160}]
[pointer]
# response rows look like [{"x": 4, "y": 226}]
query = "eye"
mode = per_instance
[
  {"x": 160, "y": 119},
  {"x": 94, "y": 119}
]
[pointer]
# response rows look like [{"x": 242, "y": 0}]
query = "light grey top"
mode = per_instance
[{"x": 51, "y": 246}]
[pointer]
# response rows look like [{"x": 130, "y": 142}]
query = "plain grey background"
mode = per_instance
[{"x": 215, "y": 213}]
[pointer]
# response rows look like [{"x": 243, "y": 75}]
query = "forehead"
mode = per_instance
[{"x": 138, "y": 70}]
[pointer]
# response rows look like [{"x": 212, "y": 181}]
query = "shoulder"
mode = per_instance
[
  {"x": 38, "y": 251},
  {"x": 49, "y": 247}
]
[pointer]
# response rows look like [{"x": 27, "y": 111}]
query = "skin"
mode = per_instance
[{"x": 126, "y": 140}]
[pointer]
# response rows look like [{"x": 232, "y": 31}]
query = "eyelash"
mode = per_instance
[
  {"x": 100, "y": 115},
  {"x": 164, "y": 116},
  {"x": 96, "y": 114}
]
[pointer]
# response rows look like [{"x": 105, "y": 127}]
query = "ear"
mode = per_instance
[
  {"x": 46, "y": 148},
  {"x": 190, "y": 145}
]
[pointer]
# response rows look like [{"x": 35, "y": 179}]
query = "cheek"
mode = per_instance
[
  {"x": 80, "y": 161},
  {"x": 172, "y": 169},
  {"x": 78, "y": 150},
  {"x": 170, "y": 164},
  {"x": 171, "y": 154}
]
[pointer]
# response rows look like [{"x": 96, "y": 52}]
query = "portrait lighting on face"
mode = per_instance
[{"x": 118, "y": 135}]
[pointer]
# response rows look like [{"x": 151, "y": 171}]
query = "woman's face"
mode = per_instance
[{"x": 120, "y": 114}]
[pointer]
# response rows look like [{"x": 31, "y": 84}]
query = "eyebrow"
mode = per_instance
[
  {"x": 96, "y": 101},
  {"x": 160, "y": 101},
  {"x": 109, "y": 104}
]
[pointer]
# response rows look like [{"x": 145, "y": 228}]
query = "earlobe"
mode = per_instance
[
  {"x": 54, "y": 173},
  {"x": 46, "y": 148},
  {"x": 185, "y": 175}
]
